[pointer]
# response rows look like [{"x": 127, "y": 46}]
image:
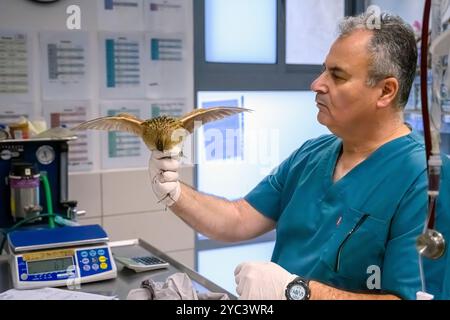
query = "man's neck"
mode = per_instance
[
  {"x": 370, "y": 136},
  {"x": 358, "y": 148}
]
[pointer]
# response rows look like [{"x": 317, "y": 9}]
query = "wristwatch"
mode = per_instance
[{"x": 298, "y": 289}]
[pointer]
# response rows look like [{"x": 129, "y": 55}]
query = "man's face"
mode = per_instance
[{"x": 344, "y": 99}]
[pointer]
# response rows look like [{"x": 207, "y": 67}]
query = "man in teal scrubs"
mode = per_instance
[{"x": 347, "y": 207}]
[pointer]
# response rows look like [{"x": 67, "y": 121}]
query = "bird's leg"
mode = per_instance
[
  {"x": 168, "y": 194},
  {"x": 161, "y": 174},
  {"x": 180, "y": 154}
]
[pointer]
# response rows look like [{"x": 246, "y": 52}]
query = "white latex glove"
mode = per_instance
[
  {"x": 262, "y": 281},
  {"x": 163, "y": 171}
]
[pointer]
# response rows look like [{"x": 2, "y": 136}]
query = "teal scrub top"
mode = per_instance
[
  {"x": 341, "y": 233},
  {"x": 437, "y": 272}
]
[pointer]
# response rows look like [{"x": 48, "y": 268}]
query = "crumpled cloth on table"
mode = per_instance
[{"x": 178, "y": 286}]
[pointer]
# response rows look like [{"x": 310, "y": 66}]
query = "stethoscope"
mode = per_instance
[{"x": 431, "y": 243}]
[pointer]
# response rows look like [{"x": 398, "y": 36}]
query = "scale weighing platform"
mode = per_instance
[{"x": 60, "y": 257}]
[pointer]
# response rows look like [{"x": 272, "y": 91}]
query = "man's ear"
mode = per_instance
[{"x": 389, "y": 92}]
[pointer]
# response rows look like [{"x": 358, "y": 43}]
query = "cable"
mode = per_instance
[
  {"x": 424, "y": 100},
  {"x": 21, "y": 222},
  {"x": 424, "y": 76},
  {"x": 48, "y": 199},
  {"x": 422, "y": 275}
]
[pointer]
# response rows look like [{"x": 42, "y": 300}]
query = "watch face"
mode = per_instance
[{"x": 297, "y": 292}]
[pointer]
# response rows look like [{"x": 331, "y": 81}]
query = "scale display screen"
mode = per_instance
[{"x": 51, "y": 265}]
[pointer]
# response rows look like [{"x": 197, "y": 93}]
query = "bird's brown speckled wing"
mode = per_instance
[
  {"x": 207, "y": 115},
  {"x": 120, "y": 122}
]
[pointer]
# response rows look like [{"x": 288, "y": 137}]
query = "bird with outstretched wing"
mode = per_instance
[{"x": 164, "y": 132}]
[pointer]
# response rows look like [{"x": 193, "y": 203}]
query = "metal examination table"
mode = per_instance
[{"x": 128, "y": 279}]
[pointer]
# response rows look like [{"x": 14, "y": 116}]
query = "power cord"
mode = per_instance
[
  {"x": 48, "y": 199},
  {"x": 20, "y": 223}
]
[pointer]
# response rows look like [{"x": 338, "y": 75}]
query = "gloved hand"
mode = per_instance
[
  {"x": 262, "y": 281},
  {"x": 163, "y": 170}
]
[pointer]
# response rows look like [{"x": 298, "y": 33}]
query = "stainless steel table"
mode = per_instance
[{"x": 128, "y": 279}]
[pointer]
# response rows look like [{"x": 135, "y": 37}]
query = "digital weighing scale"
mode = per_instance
[{"x": 60, "y": 257}]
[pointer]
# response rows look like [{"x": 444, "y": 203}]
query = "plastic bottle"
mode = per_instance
[{"x": 20, "y": 130}]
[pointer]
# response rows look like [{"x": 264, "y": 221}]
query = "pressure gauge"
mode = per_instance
[{"x": 45, "y": 154}]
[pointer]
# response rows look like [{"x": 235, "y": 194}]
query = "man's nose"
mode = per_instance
[{"x": 319, "y": 85}]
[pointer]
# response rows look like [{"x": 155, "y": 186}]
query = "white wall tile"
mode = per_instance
[
  {"x": 162, "y": 230},
  {"x": 187, "y": 175},
  {"x": 185, "y": 257},
  {"x": 85, "y": 222},
  {"x": 86, "y": 189},
  {"x": 128, "y": 192}
]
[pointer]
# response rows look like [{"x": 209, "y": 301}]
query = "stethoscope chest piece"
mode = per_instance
[{"x": 431, "y": 244}]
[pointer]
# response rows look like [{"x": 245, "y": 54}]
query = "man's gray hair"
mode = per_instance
[{"x": 392, "y": 48}]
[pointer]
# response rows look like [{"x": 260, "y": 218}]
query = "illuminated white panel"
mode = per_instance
[
  {"x": 241, "y": 31},
  {"x": 279, "y": 124}
]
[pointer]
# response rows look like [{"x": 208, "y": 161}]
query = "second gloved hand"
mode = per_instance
[
  {"x": 262, "y": 281},
  {"x": 163, "y": 170}
]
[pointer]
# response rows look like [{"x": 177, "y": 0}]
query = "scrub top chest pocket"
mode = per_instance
[{"x": 357, "y": 243}]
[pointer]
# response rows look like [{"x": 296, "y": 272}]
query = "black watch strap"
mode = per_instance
[{"x": 298, "y": 289}]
